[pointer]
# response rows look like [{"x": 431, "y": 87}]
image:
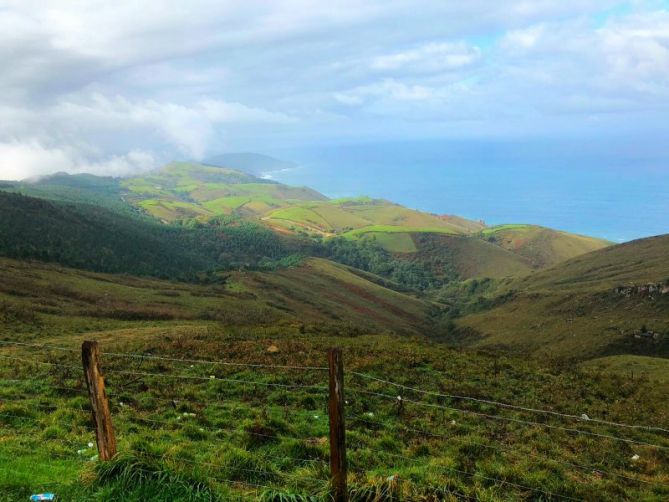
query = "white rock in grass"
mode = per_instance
[
  {"x": 585, "y": 417},
  {"x": 635, "y": 457},
  {"x": 453, "y": 422}
]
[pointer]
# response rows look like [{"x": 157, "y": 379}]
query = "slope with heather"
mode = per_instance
[
  {"x": 597, "y": 304},
  {"x": 43, "y": 299},
  {"x": 218, "y": 393},
  {"x": 541, "y": 246}
]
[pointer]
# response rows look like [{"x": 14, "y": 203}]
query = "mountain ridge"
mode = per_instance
[{"x": 182, "y": 192}]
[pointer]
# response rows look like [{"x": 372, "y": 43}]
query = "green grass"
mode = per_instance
[
  {"x": 186, "y": 436},
  {"x": 572, "y": 309},
  {"x": 396, "y": 229},
  {"x": 541, "y": 247},
  {"x": 55, "y": 300},
  {"x": 221, "y": 205},
  {"x": 651, "y": 368},
  {"x": 393, "y": 242},
  {"x": 353, "y": 217},
  {"x": 213, "y": 438},
  {"x": 501, "y": 228},
  {"x": 187, "y": 190}
]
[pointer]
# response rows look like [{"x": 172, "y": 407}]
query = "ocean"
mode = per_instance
[{"x": 596, "y": 189}]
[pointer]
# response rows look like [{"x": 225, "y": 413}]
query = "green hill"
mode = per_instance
[
  {"x": 444, "y": 248},
  {"x": 254, "y": 426},
  {"x": 497, "y": 252},
  {"x": 589, "y": 306},
  {"x": 96, "y": 238},
  {"x": 184, "y": 190},
  {"x": 357, "y": 217},
  {"x": 467, "y": 257},
  {"x": 39, "y": 297},
  {"x": 77, "y": 188},
  {"x": 541, "y": 246}
]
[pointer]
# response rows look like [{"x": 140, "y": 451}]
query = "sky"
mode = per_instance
[{"x": 120, "y": 87}]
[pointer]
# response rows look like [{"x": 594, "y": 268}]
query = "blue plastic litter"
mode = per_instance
[{"x": 42, "y": 496}]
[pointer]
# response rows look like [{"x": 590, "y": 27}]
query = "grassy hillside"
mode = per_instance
[
  {"x": 464, "y": 257},
  {"x": 574, "y": 308},
  {"x": 184, "y": 190},
  {"x": 77, "y": 188},
  {"x": 541, "y": 247},
  {"x": 96, "y": 238},
  {"x": 41, "y": 298},
  {"x": 196, "y": 431},
  {"x": 632, "y": 367},
  {"x": 356, "y": 217}
]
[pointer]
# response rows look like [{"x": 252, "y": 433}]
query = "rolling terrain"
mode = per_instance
[
  {"x": 183, "y": 190},
  {"x": 49, "y": 299},
  {"x": 214, "y": 328},
  {"x": 589, "y": 306},
  {"x": 541, "y": 247},
  {"x": 98, "y": 238},
  {"x": 356, "y": 217},
  {"x": 217, "y": 394},
  {"x": 200, "y": 195}
]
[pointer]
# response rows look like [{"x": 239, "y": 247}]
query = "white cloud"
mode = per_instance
[
  {"x": 432, "y": 57},
  {"x": 89, "y": 83},
  {"x": 523, "y": 39},
  {"x": 387, "y": 89},
  {"x": 29, "y": 159}
]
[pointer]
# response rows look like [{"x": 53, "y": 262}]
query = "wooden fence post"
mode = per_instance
[
  {"x": 104, "y": 432},
  {"x": 337, "y": 426}
]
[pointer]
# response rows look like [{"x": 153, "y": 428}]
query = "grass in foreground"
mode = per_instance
[{"x": 253, "y": 433}]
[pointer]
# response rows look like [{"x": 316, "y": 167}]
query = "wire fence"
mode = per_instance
[{"x": 256, "y": 427}]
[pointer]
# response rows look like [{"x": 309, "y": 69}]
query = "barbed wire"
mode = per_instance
[
  {"x": 171, "y": 359},
  {"x": 511, "y": 406},
  {"x": 213, "y": 362},
  {"x": 34, "y": 361},
  {"x": 216, "y": 378},
  {"x": 287, "y": 386},
  {"x": 467, "y": 441},
  {"x": 182, "y": 402},
  {"x": 511, "y": 419}
]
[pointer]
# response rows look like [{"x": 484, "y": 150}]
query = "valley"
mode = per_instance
[{"x": 472, "y": 352}]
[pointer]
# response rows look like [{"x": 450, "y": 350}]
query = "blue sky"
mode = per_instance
[{"x": 121, "y": 87}]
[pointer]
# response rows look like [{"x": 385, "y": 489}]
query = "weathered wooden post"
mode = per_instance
[
  {"x": 337, "y": 426},
  {"x": 104, "y": 431}
]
